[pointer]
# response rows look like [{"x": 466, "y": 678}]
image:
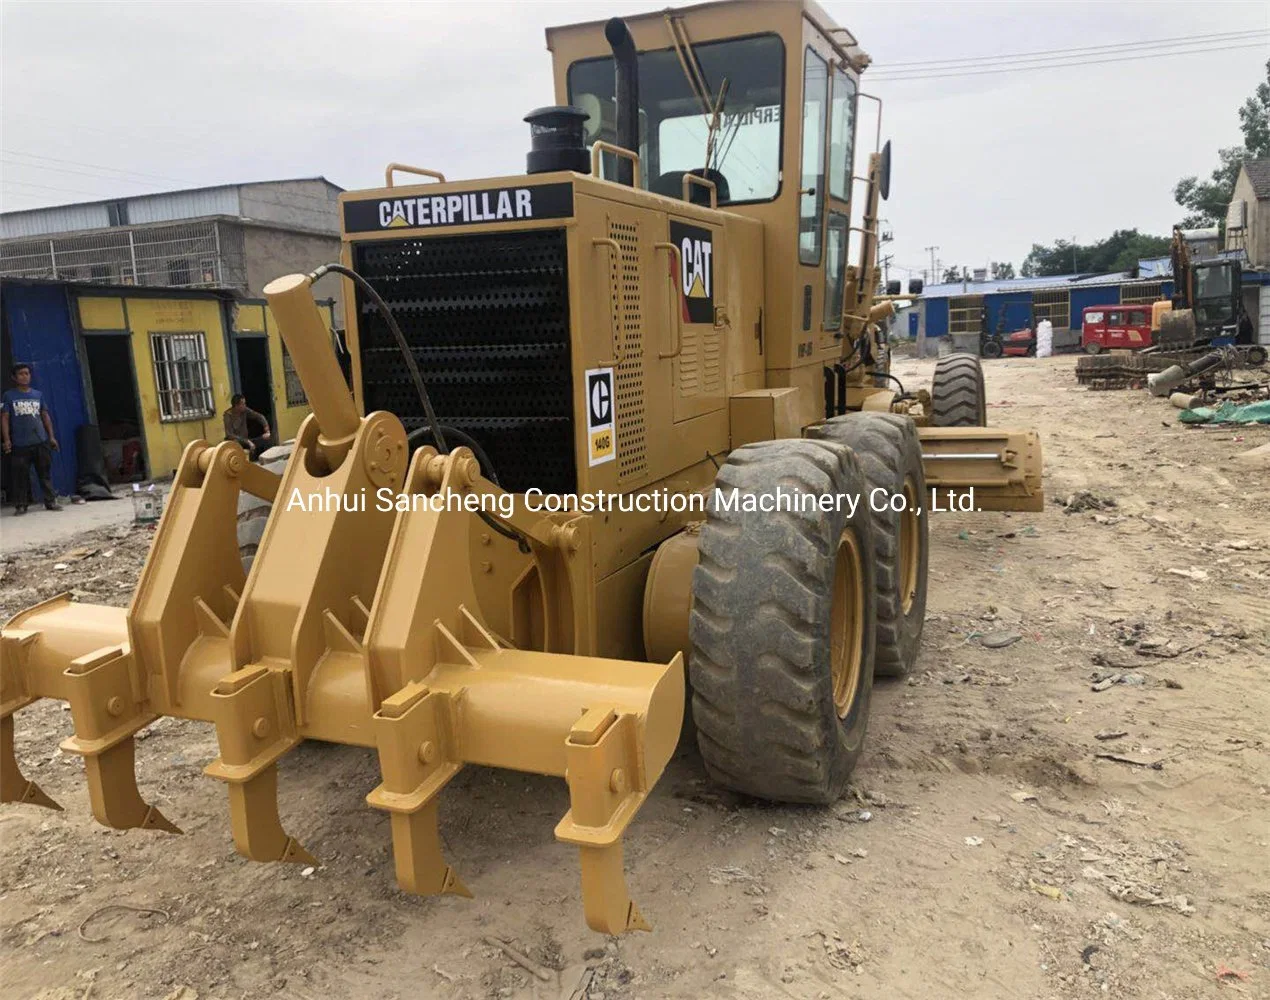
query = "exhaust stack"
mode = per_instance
[{"x": 626, "y": 94}]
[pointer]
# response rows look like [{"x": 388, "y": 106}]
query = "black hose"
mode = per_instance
[
  {"x": 465, "y": 439},
  {"x": 903, "y": 391},
  {"x": 416, "y": 376},
  {"x": 404, "y": 345}
]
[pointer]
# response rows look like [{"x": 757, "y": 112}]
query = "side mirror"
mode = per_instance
[
  {"x": 893, "y": 288},
  {"x": 884, "y": 183},
  {"x": 914, "y": 286}
]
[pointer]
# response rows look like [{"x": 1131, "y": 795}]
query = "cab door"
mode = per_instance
[
  {"x": 824, "y": 202},
  {"x": 813, "y": 200},
  {"x": 838, "y": 186}
]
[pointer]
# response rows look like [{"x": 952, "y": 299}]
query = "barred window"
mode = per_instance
[
  {"x": 1147, "y": 291},
  {"x": 1053, "y": 306},
  {"x": 296, "y": 395},
  {"x": 182, "y": 376},
  {"x": 965, "y": 314}
]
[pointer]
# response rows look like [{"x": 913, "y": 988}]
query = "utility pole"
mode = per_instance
[
  {"x": 1073, "y": 254},
  {"x": 886, "y": 267},
  {"x": 934, "y": 274}
]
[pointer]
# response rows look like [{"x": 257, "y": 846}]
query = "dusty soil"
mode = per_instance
[{"x": 988, "y": 850}]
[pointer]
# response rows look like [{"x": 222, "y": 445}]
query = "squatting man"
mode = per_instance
[{"x": 386, "y": 500}]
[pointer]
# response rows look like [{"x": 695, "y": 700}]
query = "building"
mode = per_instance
[
  {"x": 966, "y": 309},
  {"x": 233, "y": 236},
  {"x": 1248, "y": 217},
  {"x": 152, "y": 368}
]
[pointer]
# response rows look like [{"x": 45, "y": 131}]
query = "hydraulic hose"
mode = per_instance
[{"x": 433, "y": 425}]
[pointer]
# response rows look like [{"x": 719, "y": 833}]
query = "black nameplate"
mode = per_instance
[{"x": 460, "y": 208}]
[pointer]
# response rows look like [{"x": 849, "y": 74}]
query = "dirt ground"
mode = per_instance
[{"x": 1020, "y": 827}]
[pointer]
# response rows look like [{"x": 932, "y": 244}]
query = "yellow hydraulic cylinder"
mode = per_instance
[{"x": 309, "y": 343}]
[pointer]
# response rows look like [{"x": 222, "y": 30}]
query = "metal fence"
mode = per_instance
[{"x": 188, "y": 255}]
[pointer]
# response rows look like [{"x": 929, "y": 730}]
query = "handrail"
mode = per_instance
[
  {"x": 407, "y": 169},
  {"x": 600, "y": 146},
  {"x": 705, "y": 182},
  {"x": 618, "y": 353},
  {"x": 675, "y": 279}
]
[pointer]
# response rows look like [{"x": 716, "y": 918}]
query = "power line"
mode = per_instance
[
  {"x": 80, "y": 163},
  {"x": 78, "y": 173},
  {"x": 45, "y": 187},
  {"x": 1083, "y": 49},
  {"x": 1006, "y": 64},
  {"x": 1064, "y": 65}
]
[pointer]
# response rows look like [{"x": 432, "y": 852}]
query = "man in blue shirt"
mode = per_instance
[{"x": 28, "y": 435}]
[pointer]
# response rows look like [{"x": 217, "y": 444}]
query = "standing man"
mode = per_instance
[
  {"x": 28, "y": 437},
  {"x": 238, "y": 419}
]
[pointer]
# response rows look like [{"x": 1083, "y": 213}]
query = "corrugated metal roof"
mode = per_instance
[
  {"x": 1024, "y": 284},
  {"x": 162, "y": 206}
]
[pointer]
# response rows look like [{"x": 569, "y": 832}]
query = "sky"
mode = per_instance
[{"x": 103, "y": 99}]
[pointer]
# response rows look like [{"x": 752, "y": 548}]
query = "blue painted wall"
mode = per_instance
[
  {"x": 39, "y": 324},
  {"x": 1083, "y": 298},
  {"x": 936, "y": 317},
  {"x": 1014, "y": 308}
]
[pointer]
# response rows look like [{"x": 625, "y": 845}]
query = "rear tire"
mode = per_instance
[
  {"x": 1093, "y": 348},
  {"x": 890, "y": 454},
  {"x": 957, "y": 394},
  {"x": 782, "y": 626},
  {"x": 991, "y": 349},
  {"x": 1255, "y": 356},
  {"x": 253, "y": 515}
]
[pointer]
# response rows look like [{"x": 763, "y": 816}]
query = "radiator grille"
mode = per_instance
[
  {"x": 487, "y": 319},
  {"x": 632, "y": 458}
]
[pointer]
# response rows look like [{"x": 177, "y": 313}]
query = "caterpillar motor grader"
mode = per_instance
[{"x": 662, "y": 308}]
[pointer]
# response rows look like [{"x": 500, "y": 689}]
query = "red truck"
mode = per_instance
[{"x": 1105, "y": 327}]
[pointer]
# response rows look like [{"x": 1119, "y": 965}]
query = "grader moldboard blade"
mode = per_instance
[{"x": 353, "y": 626}]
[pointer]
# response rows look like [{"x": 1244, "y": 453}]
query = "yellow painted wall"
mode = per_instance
[
  {"x": 140, "y": 316},
  {"x": 101, "y": 313},
  {"x": 165, "y": 440}
]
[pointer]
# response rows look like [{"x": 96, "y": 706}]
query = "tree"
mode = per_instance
[
  {"x": 952, "y": 275},
  {"x": 1120, "y": 251},
  {"x": 1206, "y": 201},
  {"x": 1002, "y": 270},
  {"x": 1254, "y": 119}
]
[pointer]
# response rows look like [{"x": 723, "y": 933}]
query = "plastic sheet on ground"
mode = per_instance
[{"x": 1228, "y": 413}]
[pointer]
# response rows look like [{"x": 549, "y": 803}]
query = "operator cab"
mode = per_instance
[
  {"x": 1216, "y": 297},
  {"x": 759, "y": 100}
]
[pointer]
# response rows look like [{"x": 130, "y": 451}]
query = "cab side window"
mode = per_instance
[{"x": 811, "y": 204}]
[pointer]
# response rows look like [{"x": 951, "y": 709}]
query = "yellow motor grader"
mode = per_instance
[{"x": 626, "y": 412}]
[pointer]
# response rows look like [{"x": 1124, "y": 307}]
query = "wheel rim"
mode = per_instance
[
  {"x": 910, "y": 529},
  {"x": 847, "y": 624}
]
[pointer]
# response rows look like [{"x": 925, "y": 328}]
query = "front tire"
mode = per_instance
[
  {"x": 957, "y": 394},
  {"x": 782, "y": 624},
  {"x": 890, "y": 454},
  {"x": 253, "y": 515}
]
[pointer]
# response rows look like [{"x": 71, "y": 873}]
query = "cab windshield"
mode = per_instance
[
  {"x": 1213, "y": 282},
  {"x": 744, "y": 160}
]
